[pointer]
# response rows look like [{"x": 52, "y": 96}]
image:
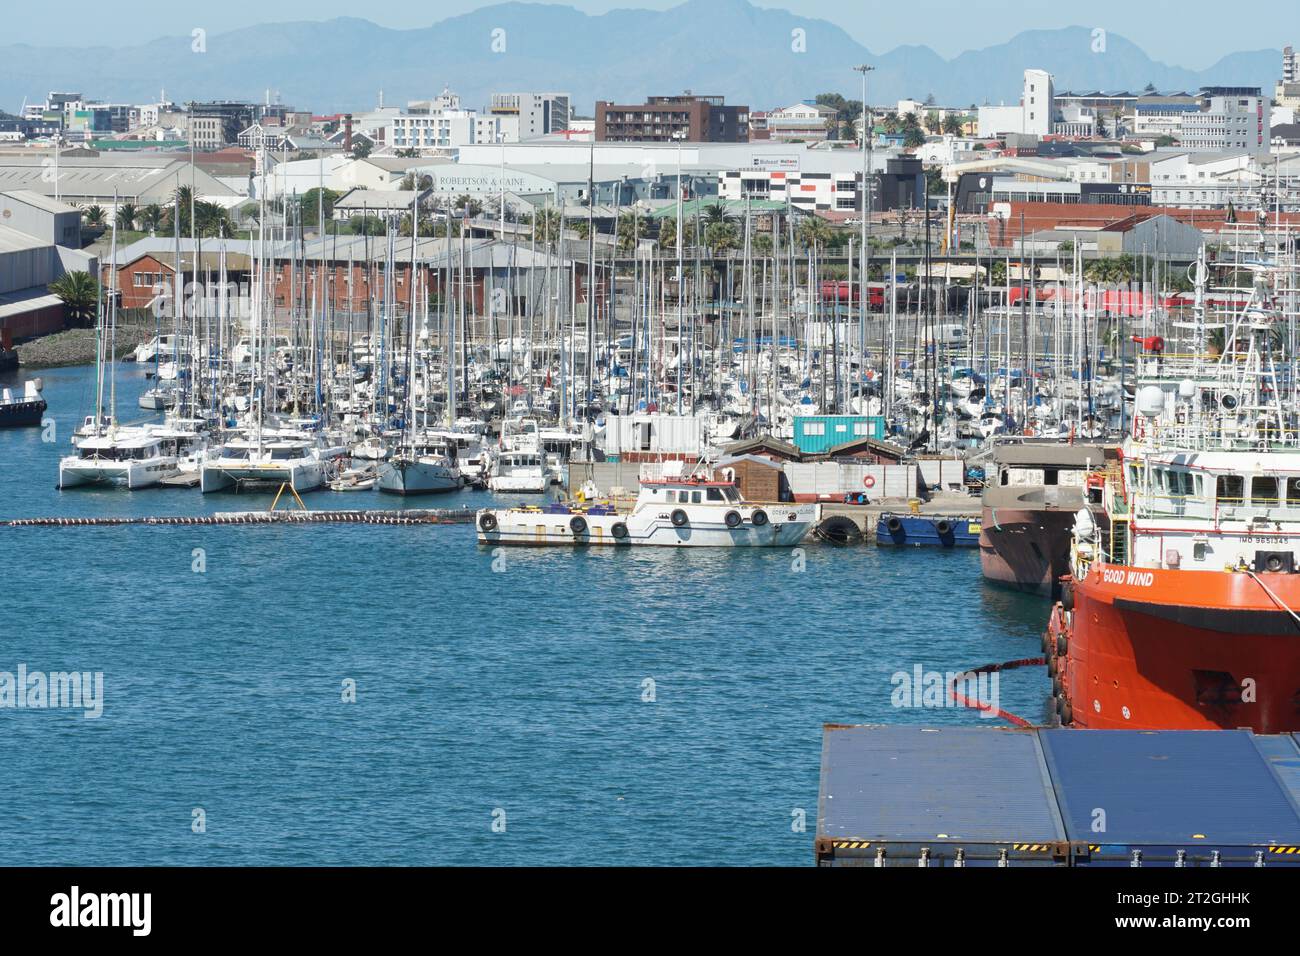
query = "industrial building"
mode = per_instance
[{"x": 40, "y": 241}]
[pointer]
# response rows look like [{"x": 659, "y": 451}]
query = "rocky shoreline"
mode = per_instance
[{"x": 77, "y": 346}]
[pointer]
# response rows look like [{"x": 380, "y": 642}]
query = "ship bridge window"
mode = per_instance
[
  {"x": 1293, "y": 492},
  {"x": 1230, "y": 489},
  {"x": 715, "y": 494},
  {"x": 1263, "y": 491},
  {"x": 695, "y": 497}
]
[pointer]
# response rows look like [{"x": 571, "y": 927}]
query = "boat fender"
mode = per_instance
[
  {"x": 488, "y": 522},
  {"x": 578, "y": 524},
  {"x": 619, "y": 530},
  {"x": 679, "y": 518},
  {"x": 733, "y": 519},
  {"x": 1062, "y": 645},
  {"x": 1057, "y": 686},
  {"x": 1067, "y": 597},
  {"x": 943, "y": 527},
  {"x": 1051, "y": 666},
  {"x": 1067, "y": 712},
  {"x": 759, "y": 517},
  {"x": 894, "y": 525}
]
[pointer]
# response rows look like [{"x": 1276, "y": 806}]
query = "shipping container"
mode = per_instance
[
  {"x": 986, "y": 796},
  {"x": 814, "y": 434},
  {"x": 1176, "y": 797},
  {"x": 921, "y": 796}
]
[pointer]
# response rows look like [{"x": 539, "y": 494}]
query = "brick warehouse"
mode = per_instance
[{"x": 353, "y": 278}]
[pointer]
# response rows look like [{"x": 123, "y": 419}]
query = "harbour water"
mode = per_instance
[{"x": 531, "y": 707}]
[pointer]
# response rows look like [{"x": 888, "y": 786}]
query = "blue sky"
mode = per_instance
[{"x": 1188, "y": 33}]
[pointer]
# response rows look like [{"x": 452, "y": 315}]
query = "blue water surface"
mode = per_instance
[{"x": 527, "y": 707}]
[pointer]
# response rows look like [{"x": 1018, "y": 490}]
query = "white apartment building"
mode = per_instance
[
  {"x": 1229, "y": 122},
  {"x": 1212, "y": 180},
  {"x": 441, "y": 123},
  {"x": 532, "y": 114},
  {"x": 1038, "y": 102},
  {"x": 1036, "y": 114}
]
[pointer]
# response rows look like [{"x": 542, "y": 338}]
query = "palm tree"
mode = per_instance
[
  {"x": 952, "y": 125},
  {"x": 94, "y": 216},
  {"x": 668, "y": 232},
  {"x": 721, "y": 236},
  {"x": 80, "y": 293},
  {"x": 545, "y": 223},
  {"x": 127, "y": 214},
  {"x": 151, "y": 217},
  {"x": 631, "y": 228},
  {"x": 472, "y": 207},
  {"x": 213, "y": 220},
  {"x": 715, "y": 213},
  {"x": 815, "y": 232}
]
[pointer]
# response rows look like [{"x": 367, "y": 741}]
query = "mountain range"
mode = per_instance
[{"x": 750, "y": 55}]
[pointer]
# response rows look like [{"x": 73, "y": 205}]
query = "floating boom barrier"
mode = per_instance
[{"x": 376, "y": 516}]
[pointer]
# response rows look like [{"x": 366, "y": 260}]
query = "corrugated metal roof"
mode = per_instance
[
  {"x": 11, "y": 240},
  {"x": 1169, "y": 787},
  {"x": 911, "y": 784}
]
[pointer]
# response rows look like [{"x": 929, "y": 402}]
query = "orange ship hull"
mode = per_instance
[{"x": 1154, "y": 649}]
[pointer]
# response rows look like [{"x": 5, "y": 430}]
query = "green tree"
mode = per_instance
[
  {"x": 631, "y": 228},
  {"x": 308, "y": 203},
  {"x": 952, "y": 125},
  {"x": 715, "y": 213},
  {"x": 366, "y": 226},
  {"x": 213, "y": 220},
  {"x": 151, "y": 217},
  {"x": 545, "y": 223},
  {"x": 467, "y": 204},
  {"x": 79, "y": 293},
  {"x": 361, "y": 148},
  {"x": 913, "y": 137},
  {"x": 127, "y": 213},
  {"x": 721, "y": 236},
  {"x": 94, "y": 216},
  {"x": 815, "y": 232}
]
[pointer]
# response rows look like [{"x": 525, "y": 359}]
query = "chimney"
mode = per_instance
[{"x": 347, "y": 132}]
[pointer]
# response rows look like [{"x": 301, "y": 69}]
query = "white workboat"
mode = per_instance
[{"x": 670, "y": 512}]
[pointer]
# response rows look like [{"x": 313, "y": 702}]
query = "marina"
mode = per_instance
[{"x": 648, "y": 460}]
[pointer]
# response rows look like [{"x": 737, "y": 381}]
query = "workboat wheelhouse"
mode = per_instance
[
  {"x": 672, "y": 512},
  {"x": 1182, "y": 606}
]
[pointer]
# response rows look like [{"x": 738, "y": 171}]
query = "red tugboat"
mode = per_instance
[{"x": 1182, "y": 609}]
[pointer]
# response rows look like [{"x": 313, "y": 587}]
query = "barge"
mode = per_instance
[{"x": 915, "y": 796}]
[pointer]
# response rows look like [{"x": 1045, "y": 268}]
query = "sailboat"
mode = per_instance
[{"x": 106, "y": 452}]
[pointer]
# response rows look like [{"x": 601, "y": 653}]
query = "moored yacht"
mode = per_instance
[
  {"x": 422, "y": 466},
  {"x": 265, "y": 461},
  {"x": 133, "y": 457}
]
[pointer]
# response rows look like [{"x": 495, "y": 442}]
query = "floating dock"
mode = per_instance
[
  {"x": 894, "y": 529},
  {"x": 372, "y": 516},
  {"x": 979, "y": 796}
]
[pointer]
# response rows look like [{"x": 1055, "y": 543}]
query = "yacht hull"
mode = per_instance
[
  {"x": 417, "y": 478},
  {"x": 786, "y": 526}
]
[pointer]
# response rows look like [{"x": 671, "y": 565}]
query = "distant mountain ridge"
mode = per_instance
[{"x": 750, "y": 55}]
